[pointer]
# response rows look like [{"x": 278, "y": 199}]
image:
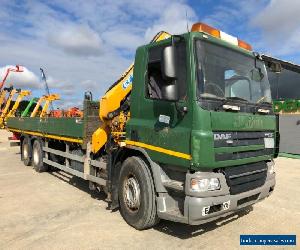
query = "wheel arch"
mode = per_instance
[{"x": 154, "y": 168}]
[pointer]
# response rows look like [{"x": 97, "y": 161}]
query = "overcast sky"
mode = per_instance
[{"x": 86, "y": 45}]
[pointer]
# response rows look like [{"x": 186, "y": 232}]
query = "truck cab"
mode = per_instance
[{"x": 201, "y": 110}]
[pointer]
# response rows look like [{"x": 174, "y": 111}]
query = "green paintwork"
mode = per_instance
[
  {"x": 145, "y": 113},
  {"x": 193, "y": 133},
  {"x": 225, "y": 121},
  {"x": 74, "y": 128},
  {"x": 287, "y": 155},
  {"x": 27, "y": 109},
  {"x": 67, "y": 127}
]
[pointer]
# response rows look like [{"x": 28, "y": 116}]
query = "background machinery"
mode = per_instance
[
  {"x": 5, "y": 110},
  {"x": 17, "y": 69}
]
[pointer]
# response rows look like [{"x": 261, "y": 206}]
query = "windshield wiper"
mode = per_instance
[
  {"x": 266, "y": 103},
  {"x": 236, "y": 98},
  {"x": 262, "y": 100},
  {"x": 228, "y": 106},
  {"x": 212, "y": 96},
  {"x": 225, "y": 101},
  {"x": 263, "y": 107}
]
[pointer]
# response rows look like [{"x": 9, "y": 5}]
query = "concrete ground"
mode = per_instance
[{"x": 57, "y": 211}]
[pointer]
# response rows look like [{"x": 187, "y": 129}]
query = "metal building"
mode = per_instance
[{"x": 285, "y": 88}]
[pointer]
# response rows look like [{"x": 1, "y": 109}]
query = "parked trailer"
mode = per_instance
[{"x": 186, "y": 134}]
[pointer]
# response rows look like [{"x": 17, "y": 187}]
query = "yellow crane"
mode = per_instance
[
  {"x": 48, "y": 99},
  {"x": 13, "y": 110},
  {"x": 2, "y": 97},
  {"x": 3, "y": 94},
  {"x": 7, "y": 105},
  {"x": 37, "y": 106},
  {"x": 111, "y": 102}
]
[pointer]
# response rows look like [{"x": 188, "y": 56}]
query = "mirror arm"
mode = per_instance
[{"x": 181, "y": 110}]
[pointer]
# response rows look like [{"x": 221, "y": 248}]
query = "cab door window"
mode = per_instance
[{"x": 155, "y": 80}]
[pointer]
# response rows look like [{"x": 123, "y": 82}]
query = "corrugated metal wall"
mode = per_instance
[{"x": 289, "y": 127}]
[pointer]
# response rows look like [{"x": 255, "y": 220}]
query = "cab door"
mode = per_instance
[{"x": 161, "y": 125}]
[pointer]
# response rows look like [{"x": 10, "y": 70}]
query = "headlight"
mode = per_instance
[
  {"x": 271, "y": 167},
  {"x": 202, "y": 185}
]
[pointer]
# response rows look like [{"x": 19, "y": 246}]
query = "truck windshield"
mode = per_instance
[{"x": 227, "y": 74}]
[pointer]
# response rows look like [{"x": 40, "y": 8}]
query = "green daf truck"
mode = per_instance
[{"x": 192, "y": 140}]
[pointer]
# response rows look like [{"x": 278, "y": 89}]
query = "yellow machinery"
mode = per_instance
[
  {"x": 2, "y": 97},
  {"x": 37, "y": 106},
  {"x": 111, "y": 102},
  {"x": 7, "y": 105},
  {"x": 48, "y": 99},
  {"x": 3, "y": 94},
  {"x": 21, "y": 95}
]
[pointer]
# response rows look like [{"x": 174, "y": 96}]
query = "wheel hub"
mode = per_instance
[{"x": 132, "y": 193}]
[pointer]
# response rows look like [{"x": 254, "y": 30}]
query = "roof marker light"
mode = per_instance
[
  {"x": 202, "y": 27},
  {"x": 244, "y": 45},
  {"x": 228, "y": 38}
]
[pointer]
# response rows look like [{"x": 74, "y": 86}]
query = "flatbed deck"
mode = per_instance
[
  {"x": 68, "y": 128},
  {"x": 74, "y": 129}
]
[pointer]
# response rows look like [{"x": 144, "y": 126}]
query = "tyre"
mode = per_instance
[
  {"x": 37, "y": 157},
  {"x": 137, "y": 194},
  {"x": 25, "y": 151}
]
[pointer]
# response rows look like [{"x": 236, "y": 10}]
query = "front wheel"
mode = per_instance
[
  {"x": 137, "y": 194},
  {"x": 37, "y": 157}
]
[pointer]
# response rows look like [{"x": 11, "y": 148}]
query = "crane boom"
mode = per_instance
[
  {"x": 21, "y": 95},
  {"x": 7, "y": 105},
  {"x": 17, "y": 69},
  {"x": 117, "y": 93},
  {"x": 44, "y": 78},
  {"x": 111, "y": 103},
  {"x": 2, "y": 97}
]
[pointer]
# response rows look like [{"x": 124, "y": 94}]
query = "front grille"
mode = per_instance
[
  {"x": 244, "y": 154},
  {"x": 234, "y": 139},
  {"x": 241, "y": 139},
  {"x": 246, "y": 177}
]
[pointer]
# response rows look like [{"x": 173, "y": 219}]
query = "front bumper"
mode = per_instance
[{"x": 202, "y": 210}]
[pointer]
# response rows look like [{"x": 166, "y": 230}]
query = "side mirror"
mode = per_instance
[
  {"x": 170, "y": 90},
  {"x": 275, "y": 67},
  {"x": 169, "y": 62},
  {"x": 257, "y": 75}
]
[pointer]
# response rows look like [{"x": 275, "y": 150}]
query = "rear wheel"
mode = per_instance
[
  {"x": 25, "y": 151},
  {"x": 137, "y": 194},
  {"x": 37, "y": 157}
]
